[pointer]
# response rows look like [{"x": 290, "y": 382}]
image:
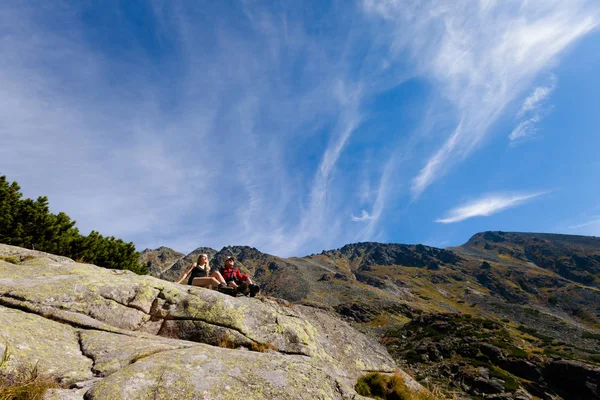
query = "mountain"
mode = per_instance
[
  {"x": 540, "y": 291},
  {"x": 159, "y": 260}
]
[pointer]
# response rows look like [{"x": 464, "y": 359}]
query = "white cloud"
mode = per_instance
[
  {"x": 538, "y": 95},
  {"x": 243, "y": 132},
  {"x": 364, "y": 216},
  {"x": 591, "y": 225},
  {"x": 479, "y": 57},
  {"x": 485, "y": 206},
  {"x": 533, "y": 104},
  {"x": 525, "y": 129}
]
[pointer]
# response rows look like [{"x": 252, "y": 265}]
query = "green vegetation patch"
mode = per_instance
[
  {"x": 11, "y": 260},
  {"x": 388, "y": 387},
  {"x": 590, "y": 335}
]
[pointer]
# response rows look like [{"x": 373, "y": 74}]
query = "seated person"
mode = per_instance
[
  {"x": 236, "y": 279},
  {"x": 201, "y": 270}
]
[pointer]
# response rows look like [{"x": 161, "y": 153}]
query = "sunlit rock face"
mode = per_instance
[{"x": 113, "y": 334}]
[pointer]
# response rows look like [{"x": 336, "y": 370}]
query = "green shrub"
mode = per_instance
[
  {"x": 29, "y": 223},
  {"x": 388, "y": 387}
]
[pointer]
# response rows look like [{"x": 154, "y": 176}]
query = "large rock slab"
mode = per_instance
[
  {"x": 214, "y": 373},
  {"x": 54, "y": 347},
  {"x": 155, "y": 335}
]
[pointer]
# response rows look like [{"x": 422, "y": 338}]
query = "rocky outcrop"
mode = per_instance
[{"x": 113, "y": 334}]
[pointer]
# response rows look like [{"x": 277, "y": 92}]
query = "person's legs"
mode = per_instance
[
  {"x": 205, "y": 282},
  {"x": 232, "y": 284},
  {"x": 217, "y": 275}
]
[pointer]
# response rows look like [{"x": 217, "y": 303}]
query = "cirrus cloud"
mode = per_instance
[{"x": 485, "y": 206}]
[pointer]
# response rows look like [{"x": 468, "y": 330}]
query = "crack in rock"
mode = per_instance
[{"x": 95, "y": 372}]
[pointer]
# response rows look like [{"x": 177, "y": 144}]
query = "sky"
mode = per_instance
[{"x": 295, "y": 127}]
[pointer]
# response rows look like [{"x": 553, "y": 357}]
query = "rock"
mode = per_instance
[
  {"x": 484, "y": 373},
  {"x": 523, "y": 368},
  {"x": 205, "y": 372},
  {"x": 33, "y": 339},
  {"x": 340, "y": 276},
  {"x": 568, "y": 376},
  {"x": 356, "y": 312},
  {"x": 142, "y": 336},
  {"x": 325, "y": 277},
  {"x": 521, "y": 394},
  {"x": 487, "y": 385},
  {"x": 492, "y": 352}
]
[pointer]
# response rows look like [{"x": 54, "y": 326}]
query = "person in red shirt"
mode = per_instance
[{"x": 234, "y": 277}]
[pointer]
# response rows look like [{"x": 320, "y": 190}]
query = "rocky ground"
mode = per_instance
[
  {"x": 107, "y": 334},
  {"x": 486, "y": 358}
]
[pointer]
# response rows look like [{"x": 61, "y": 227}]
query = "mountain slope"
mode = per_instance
[{"x": 540, "y": 290}]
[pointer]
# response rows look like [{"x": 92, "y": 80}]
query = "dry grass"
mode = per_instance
[
  {"x": 22, "y": 383},
  {"x": 225, "y": 341},
  {"x": 391, "y": 387},
  {"x": 263, "y": 347}
]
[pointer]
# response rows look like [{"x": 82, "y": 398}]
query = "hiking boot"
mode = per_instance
[
  {"x": 227, "y": 290},
  {"x": 244, "y": 288},
  {"x": 254, "y": 289}
]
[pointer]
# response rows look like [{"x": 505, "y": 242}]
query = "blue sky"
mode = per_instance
[{"x": 301, "y": 126}]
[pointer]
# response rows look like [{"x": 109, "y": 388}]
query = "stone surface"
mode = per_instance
[
  {"x": 142, "y": 337},
  {"x": 207, "y": 373},
  {"x": 32, "y": 340}
]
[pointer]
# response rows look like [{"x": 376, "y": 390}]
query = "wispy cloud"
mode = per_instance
[
  {"x": 479, "y": 57},
  {"x": 248, "y": 127},
  {"x": 485, "y": 206},
  {"x": 525, "y": 129},
  {"x": 534, "y": 106},
  {"x": 539, "y": 94},
  {"x": 364, "y": 216},
  {"x": 593, "y": 223}
]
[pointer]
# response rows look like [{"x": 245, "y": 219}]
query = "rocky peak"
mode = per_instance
[
  {"x": 365, "y": 254},
  {"x": 159, "y": 260}
]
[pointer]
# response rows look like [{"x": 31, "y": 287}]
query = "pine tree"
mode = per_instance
[{"x": 28, "y": 223}]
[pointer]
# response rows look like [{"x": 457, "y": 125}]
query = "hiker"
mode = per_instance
[
  {"x": 201, "y": 269},
  {"x": 235, "y": 279}
]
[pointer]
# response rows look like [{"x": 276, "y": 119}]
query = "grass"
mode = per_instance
[
  {"x": 226, "y": 342},
  {"x": 22, "y": 383},
  {"x": 263, "y": 347},
  {"x": 389, "y": 387},
  {"x": 15, "y": 260}
]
